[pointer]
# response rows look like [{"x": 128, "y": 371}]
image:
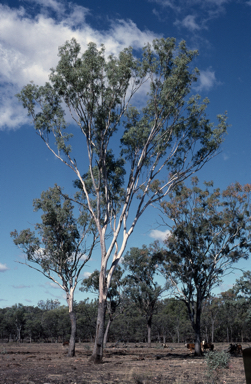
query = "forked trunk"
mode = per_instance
[
  {"x": 97, "y": 354},
  {"x": 71, "y": 350}
]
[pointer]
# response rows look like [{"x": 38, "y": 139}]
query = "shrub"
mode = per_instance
[{"x": 216, "y": 362}]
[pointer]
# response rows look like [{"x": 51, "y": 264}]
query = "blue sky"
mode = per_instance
[{"x": 30, "y": 34}]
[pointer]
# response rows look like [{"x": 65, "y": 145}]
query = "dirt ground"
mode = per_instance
[{"x": 135, "y": 363}]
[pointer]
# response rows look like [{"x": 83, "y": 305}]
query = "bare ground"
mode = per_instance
[{"x": 48, "y": 364}]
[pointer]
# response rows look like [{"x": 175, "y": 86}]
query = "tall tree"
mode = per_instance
[
  {"x": 58, "y": 248},
  {"x": 210, "y": 232},
  {"x": 140, "y": 284},
  {"x": 169, "y": 138}
]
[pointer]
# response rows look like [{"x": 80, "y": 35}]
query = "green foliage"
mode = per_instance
[
  {"x": 86, "y": 313},
  {"x": 171, "y": 321},
  {"x": 48, "y": 304},
  {"x": 242, "y": 286},
  {"x": 211, "y": 231},
  {"x": 140, "y": 284},
  {"x": 98, "y": 90},
  {"x": 57, "y": 245},
  {"x": 216, "y": 363},
  {"x": 217, "y": 360}
]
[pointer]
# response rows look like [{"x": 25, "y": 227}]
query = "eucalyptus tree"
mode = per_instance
[
  {"x": 58, "y": 246},
  {"x": 169, "y": 137},
  {"x": 210, "y": 232},
  {"x": 141, "y": 266}
]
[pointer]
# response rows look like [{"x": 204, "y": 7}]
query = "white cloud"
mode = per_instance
[
  {"x": 3, "y": 267},
  {"x": 206, "y": 81},
  {"x": 84, "y": 257},
  {"x": 86, "y": 275},
  {"x": 248, "y": 2},
  {"x": 189, "y": 23},
  {"x": 29, "y": 47},
  {"x": 159, "y": 235}
]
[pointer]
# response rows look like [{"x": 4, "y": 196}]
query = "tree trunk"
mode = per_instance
[
  {"x": 71, "y": 350},
  {"x": 212, "y": 335},
  {"x": 197, "y": 342},
  {"x": 149, "y": 326},
  {"x": 206, "y": 333},
  {"x": 97, "y": 354},
  {"x": 197, "y": 327},
  {"x": 195, "y": 322},
  {"x": 19, "y": 334},
  {"x": 69, "y": 298},
  {"x": 107, "y": 330}
]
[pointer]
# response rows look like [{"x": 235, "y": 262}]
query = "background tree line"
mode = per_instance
[{"x": 226, "y": 317}]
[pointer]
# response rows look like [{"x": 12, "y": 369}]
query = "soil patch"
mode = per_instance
[{"x": 39, "y": 363}]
